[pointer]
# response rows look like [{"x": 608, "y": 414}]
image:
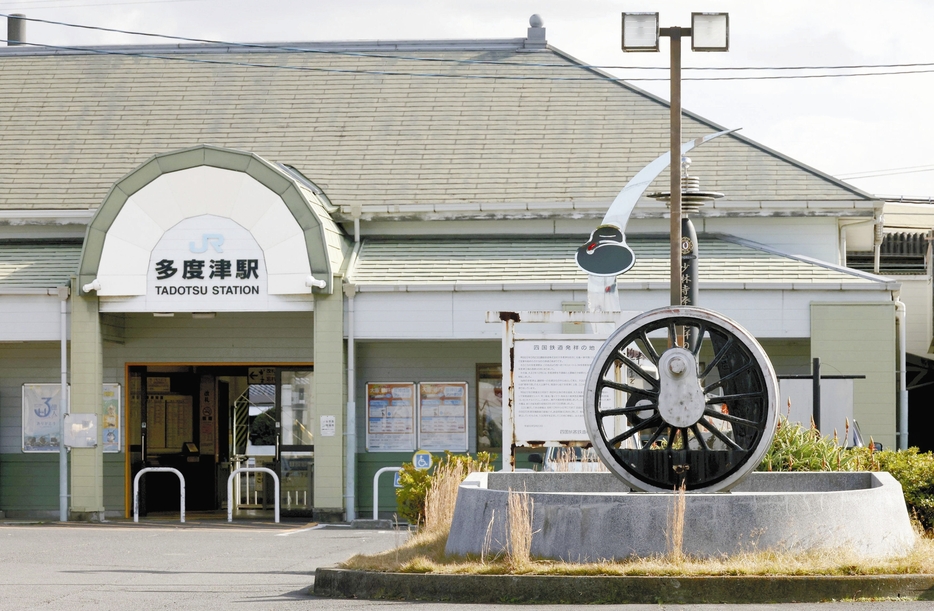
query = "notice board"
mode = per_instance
[
  {"x": 442, "y": 416},
  {"x": 390, "y": 417}
]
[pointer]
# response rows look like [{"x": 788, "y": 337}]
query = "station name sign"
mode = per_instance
[{"x": 207, "y": 263}]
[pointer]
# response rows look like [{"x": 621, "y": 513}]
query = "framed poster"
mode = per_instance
[
  {"x": 42, "y": 430},
  {"x": 110, "y": 429},
  {"x": 390, "y": 417},
  {"x": 489, "y": 407},
  {"x": 442, "y": 416}
]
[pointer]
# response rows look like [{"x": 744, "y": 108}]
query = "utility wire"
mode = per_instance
[
  {"x": 270, "y": 47},
  {"x": 892, "y": 172},
  {"x": 503, "y": 77}
]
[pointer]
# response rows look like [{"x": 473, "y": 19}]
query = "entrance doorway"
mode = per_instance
[{"x": 207, "y": 421}]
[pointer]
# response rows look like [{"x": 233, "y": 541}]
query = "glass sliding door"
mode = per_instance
[{"x": 297, "y": 415}]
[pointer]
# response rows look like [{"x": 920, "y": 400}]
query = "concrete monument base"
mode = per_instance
[{"x": 588, "y": 517}]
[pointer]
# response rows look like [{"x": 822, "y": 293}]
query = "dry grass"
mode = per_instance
[
  {"x": 675, "y": 532},
  {"x": 565, "y": 461},
  {"x": 441, "y": 497},
  {"x": 520, "y": 508},
  {"x": 424, "y": 553}
]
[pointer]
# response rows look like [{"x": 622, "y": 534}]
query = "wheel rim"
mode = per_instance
[{"x": 721, "y": 441}]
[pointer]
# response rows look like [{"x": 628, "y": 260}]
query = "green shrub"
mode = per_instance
[
  {"x": 410, "y": 497},
  {"x": 795, "y": 448},
  {"x": 915, "y": 472}
]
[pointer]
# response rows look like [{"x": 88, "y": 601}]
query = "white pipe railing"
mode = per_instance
[
  {"x": 181, "y": 483},
  {"x": 376, "y": 488},
  {"x": 230, "y": 480}
]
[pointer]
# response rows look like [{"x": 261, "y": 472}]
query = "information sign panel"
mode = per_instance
[
  {"x": 390, "y": 417},
  {"x": 549, "y": 378},
  {"x": 442, "y": 416}
]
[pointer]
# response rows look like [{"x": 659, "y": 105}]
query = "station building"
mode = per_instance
[{"x": 251, "y": 255}]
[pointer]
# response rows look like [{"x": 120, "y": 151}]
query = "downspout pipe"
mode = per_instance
[
  {"x": 877, "y": 237},
  {"x": 351, "y": 425},
  {"x": 900, "y": 320},
  {"x": 350, "y": 428},
  {"x": 63, "y": 407}
]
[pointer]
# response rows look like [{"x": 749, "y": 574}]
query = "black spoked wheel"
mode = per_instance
[{"x": 681, "y": 396}]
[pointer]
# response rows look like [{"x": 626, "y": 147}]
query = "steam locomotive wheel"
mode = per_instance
[{"x": 681, "y": 396}]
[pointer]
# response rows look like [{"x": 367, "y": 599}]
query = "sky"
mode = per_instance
[{"x": 876, "y": 132}]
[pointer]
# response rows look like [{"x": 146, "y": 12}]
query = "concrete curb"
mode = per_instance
[{"x": 553, "y": 589}]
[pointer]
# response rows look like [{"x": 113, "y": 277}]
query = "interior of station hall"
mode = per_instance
[{"x": 244, "y": 269}]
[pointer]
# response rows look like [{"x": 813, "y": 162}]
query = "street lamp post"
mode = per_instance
[{"x": 708, "y": 32}]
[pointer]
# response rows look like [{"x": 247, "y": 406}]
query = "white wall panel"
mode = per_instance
[
  {"x": 772, "y": 313},
  {"x": 252, "y": 202},
  {"x": 133, "y": 221},
  {"x": 812, "y": 237},
  {"x": 917, "y": 296},
  {"x": 27, "y": 318},
  {"x": 157, "y": 199},
  {"x": 205, "y": 190}
]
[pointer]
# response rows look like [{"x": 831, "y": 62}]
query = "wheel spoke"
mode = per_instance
[
  {"x": 672, "y": 335},
  {"x": 728, "y": 398},
  {"x": 626, "y": 388},
  {"x": 716, "y": 433},
  {"x": 658, "y": 433},
  {"x": 621, "y": 411},
  {"x": 645, "y": 424},
  {"x": 699, "y": 438},
  {"x": 732, "y": 419},
  {"x": 728, "y": 377},
  {"x": 701, "y": 329},
  {"x": 649, "y": 348},
  {"x": 637, "y": 370},
  {"x": 718, "y": 357}
]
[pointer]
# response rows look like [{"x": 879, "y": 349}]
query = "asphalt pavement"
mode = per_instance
[{"x": 158, "y": 565}]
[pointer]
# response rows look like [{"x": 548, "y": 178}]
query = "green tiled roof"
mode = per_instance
[
  {"x": 521, "y": 134},
  {"x": 38, "y": 264},
  {"x": 463, "y": 262}
]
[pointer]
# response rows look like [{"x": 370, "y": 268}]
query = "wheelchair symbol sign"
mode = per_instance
[{"x": 421, "y": 460}]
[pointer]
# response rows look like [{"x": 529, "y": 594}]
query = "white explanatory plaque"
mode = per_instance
[{"x": 548, "y": 381}]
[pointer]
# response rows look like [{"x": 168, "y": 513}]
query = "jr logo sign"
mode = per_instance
[{"x": 214, "y": 240}]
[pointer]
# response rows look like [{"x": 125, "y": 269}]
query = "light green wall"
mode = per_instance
[
  {"x": 87, "y": 464},
  {"x": 859, "y": 338},
  {"x": 330, "y": 400}
]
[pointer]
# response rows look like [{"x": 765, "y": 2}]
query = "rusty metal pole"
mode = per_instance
[{"x": 675, "y": 167}]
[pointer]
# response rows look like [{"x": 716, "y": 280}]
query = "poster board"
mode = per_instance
[
  {"x": 41, "y": 412},
  {"x": 110, "y": 429},
  {"x": 442, "y": 416},
  {"x": 390, "y": 416},
  {"x": 489, "y": 407}
]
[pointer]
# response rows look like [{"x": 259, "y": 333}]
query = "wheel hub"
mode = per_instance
[{"x": 681, "y": 398}]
